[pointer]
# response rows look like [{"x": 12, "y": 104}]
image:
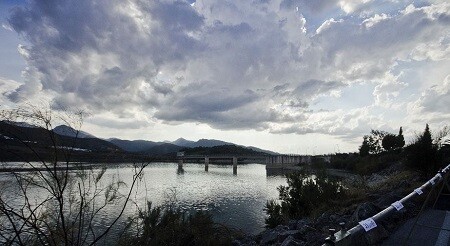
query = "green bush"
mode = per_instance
[
  {"x": 303, "y": 196},
  {"x": 170, "y": 226},
  {"x": 346, "y": 161}
]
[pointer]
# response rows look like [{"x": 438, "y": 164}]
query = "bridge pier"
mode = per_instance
[
  {"x": 234, "y": 165},
  {"x": 206, "y": 163}
]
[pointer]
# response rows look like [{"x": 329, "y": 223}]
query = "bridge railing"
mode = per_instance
[{"x": 344, "y": 237}]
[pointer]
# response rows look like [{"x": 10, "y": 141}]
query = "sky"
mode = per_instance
[{"x": 293, "y": 76}]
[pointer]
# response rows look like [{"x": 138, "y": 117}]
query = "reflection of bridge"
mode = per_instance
[{"x": 270, "y": 161}]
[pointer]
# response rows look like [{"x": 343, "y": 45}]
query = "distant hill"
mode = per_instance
[
  {"x": 21, "y": 124},
  {"x": 68, "y": 131},
  {"x": 17, "y": 138},
  {"x": 134, "y": 145},
  {"x": 223, "y": 150},
  {"x": 184, "y": 143},
  {"x": 163, "y": 149},
  {"x": 17, "y": 141},
  {"x": 160, "y": 148},
  {"x": 263, "y": 150},
  {"x": 200, "y": 143},
  {"x": 213, "y": 142}
]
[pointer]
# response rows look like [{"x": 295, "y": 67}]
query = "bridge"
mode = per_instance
[
  {"x": 274, "y": 161},
  {"x": 430, "y": 227}
]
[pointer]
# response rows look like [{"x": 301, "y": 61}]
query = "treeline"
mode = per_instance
[
  {"x": 426, "y": 153},
  {"x": 306, "y": 195}
]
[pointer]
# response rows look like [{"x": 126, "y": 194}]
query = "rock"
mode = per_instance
[
  {"x": 246, "y": 241},
  {"x": 313, "y": 238},
  {"x": 304, "y": 226},
  {"x": 372, "y": 237},
  {"x": 236, "y": 243},
  {"x": 334, "y": 218},
  {"x": 387, "y": 199},
  {"x": 323, "y": 219},
  {"x": 281, "y": 228},
  {"x": 291, "y": 233},
  {"x": 364, "y": 211},
  {"x": 290, "y": 241},
  {"x": 301, "y": 224},
  {"x": 268, "y": 237},
  {"x": 292, "y": 224}
]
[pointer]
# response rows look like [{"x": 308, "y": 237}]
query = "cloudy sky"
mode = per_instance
[{"x": 295, "y": 76}]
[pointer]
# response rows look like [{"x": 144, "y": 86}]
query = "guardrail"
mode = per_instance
[{"x": 344, "y": 237}]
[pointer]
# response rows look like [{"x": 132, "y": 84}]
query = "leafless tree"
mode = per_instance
[{"x": 56, "y": 201}]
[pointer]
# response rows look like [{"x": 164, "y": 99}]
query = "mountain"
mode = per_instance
[
  {"x": 184, "y": 143},
  {"x": 200, "y": 143},
  {"x": 134, "y": 145},
  {"x": 262, "y": 150},
  {"x": 68, "y": 131},
  {"x": 17, "y": 142},
  {"x": 21, "y": 124},
  {"x": 157, "y": 148},
  {"x": 162, "y": 149},
  {"x": 223, "y": 150},
  {"x": 213, "y": 142},
  {"x": 145, "y": 146}
]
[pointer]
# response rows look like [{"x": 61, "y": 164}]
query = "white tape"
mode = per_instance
[
  {"x": 368, "y": 224},
  {"x": 397, "y": 205}
]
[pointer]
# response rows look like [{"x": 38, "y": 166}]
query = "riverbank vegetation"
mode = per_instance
[
  {"x": 167, "y": 225},
  {"x": 303, "y": 196},
  {"x": 383, "y": 162},
  {"x": 426, "y": 153}
]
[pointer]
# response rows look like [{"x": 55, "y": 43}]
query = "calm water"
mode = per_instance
[{"x": 234, "y": 200}]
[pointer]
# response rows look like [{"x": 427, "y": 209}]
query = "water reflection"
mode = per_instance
[
  {"x": 277, "y": 172},
  {"x": 180, "y": 170},
  {"x": 234, "y": 200}
]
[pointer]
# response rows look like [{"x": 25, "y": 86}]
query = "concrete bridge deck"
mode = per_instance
[{"x": 271, "y": 161}]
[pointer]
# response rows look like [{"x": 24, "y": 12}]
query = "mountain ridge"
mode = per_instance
[
  {"x": 68, "y": 131},
  {"x": 146, "y": 147}
]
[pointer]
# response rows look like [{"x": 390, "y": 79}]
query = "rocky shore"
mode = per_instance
[{"x": 380, "y": 190}]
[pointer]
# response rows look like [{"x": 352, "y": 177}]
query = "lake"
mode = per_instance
[{"x": 234, "y": 200}]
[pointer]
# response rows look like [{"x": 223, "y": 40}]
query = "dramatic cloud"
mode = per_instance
[
  {"x": 265, "y": 65},
  {"x": 435, "y": 99}
]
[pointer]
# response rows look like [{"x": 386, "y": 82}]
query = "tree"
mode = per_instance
[
  {"x": 400, "y": 139},
  {"x": 422, "y": 153},
  {"x": 426, "y": 138},
  {"x": 390, "y": 142},
  {"x": 364, "y": 149},
  {"x": 372, "y": 144},
  {"x": 57, "y": 202}
]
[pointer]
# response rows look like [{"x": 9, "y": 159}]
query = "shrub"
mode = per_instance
[
  {"x": 170, "y": 226},
  {"x": 422, "y": 154},
  {"x": 303, "y": 196}
]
